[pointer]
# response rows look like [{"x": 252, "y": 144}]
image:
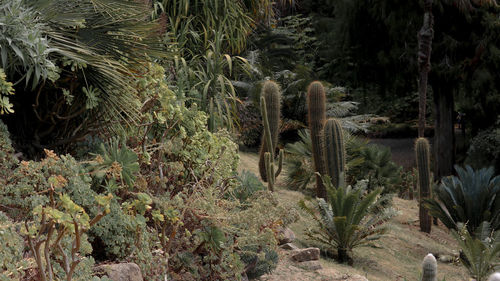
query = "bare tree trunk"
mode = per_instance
[{"x": 425, "y": 36}]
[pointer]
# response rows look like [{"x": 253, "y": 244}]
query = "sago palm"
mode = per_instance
[
  {"x": 472, "y": 198},
  {"x": 349, "y": 219}
]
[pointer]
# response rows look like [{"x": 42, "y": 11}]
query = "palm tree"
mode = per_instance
[{"x": 94, "y": 49}]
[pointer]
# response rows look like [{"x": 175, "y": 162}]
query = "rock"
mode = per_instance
[
  {"x": 285, "y": 235},
  {"x": 446, "y": 259},
  {"x": 308, "y": 254},
  {"x": 310, "y": 265},
  {"x": 121, "y": 271},
  {"x": 289, "y": 246}
]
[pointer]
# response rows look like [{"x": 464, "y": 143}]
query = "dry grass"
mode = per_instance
[{"x": 396, "y": 256}]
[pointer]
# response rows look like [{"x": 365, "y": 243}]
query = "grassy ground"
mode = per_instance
[{"x": 397, "y": 256}]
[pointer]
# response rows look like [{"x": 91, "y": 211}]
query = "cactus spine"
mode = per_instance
[
  {"x": 270, "y": 110},
  {"x": 316, "y": 105},
  {"x": 429, "y": 268},
  {"x": 334, "y": 152},
  {"x": 424, "y": 181}
]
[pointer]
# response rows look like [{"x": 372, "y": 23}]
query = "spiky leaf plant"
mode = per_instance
[
  {"x": 349, "y": 219},
  {"x": 479, "y": 250},
  {"x": 471, "y": 197}
]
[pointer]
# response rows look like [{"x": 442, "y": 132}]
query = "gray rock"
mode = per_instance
[
  {"x": 121, "y": 271},
  {"x": 446, "y": 259},
  {"x": 310, "y": 265},
  {"x": 308, "y": 254},
  {"x": 289, "y": 246},
  {"x": 285, "y": 236}
]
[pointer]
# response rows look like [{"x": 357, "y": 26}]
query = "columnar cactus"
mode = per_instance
[
  {"x": 424, "y": 181},
  {"x": 270, "y": 119},
  {"x": 429, "y": 268},
  {"x": 272, "y": 102},
  {"x": 334, "y": 152},
  {"x": 316, "y": 105}
]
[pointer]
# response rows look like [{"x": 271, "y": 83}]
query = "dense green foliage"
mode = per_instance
[
  {"x": 349, "y": 219},
  {"x": 470, "y": 198}
]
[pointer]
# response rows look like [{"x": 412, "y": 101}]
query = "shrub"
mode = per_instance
[
  {"x": 472, "y": 197},
  {"x": 484, "y": 150},
  {"x": 7, "y": 159},
  {"x": 11, "y": 250},
  {"x": 349, "y": 219}
]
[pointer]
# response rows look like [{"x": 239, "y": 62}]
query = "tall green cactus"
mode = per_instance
[
  {"x": 270, "y": 110},
  {"x": 316, "y": 105},
  {"x": 429, "y": 268},
  {"x": 422, "y": 150},
  {"x": 334, "y": 152}
]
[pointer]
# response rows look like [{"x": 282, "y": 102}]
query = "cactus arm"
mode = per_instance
[
  {"x": 280, "y": 163},
  {"x": 269, "y": 168},
  {"x": 267, "y": 129}
]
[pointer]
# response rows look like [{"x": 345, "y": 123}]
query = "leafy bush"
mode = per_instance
[
  {"x": 11, "y": 250},
  {"x": 472, "y": 197},
  {"x": 55, "y": 192},
  {"x": 484, "y": 150},
  {"x": 7, "y": 160},
  {"x": 262, "y": 261},
  {"x": 349, "y": 219},
  {"x": 479, "y": 251}
]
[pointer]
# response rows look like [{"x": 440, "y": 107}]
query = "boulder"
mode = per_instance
[
  {"x": 289, "y": 246},
  {"x": 285, "y": 235},
  {"x": 308, "y": 254},
  {"x": 121, "y": 271}
]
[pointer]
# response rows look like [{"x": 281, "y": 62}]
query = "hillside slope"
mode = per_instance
[{"x": 397, "y": 256}]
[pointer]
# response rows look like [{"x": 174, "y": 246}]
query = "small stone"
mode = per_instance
[
  {"x": 446, "y": 259},
  {"x": 285, "y": 235},
  {"x": 308, "y": 254},
  {"x": 310, "y": 265},
  {"x": 289, "y": 246},
  {"x": 121, "y": 271}
]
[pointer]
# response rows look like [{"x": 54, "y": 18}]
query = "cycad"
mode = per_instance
[
  {"x": 349, "y": 219},
  {"x": 479, "y": 250},
  {"x": 472, "y": 197}
]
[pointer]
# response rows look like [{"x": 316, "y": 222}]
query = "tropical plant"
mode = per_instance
[
  {"x": 479, "y": 251},
  {"x": 472, "y": 197},
  {"x": 5, "y": 90},
  {"x": 378, "y": 168},
  {"x": 248, "y": 186},
  {"x": 349, "y": 219},
  {"x": 81, "y": 61}
]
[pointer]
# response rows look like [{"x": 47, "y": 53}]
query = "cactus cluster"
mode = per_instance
[
  {"x": 270, "y": 102},
  {"x": 316, "y": 105},
  {"x": 334, "y": 152},
  {"x": 422, "y": 150}
]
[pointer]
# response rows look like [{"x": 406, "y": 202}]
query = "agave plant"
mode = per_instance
[
  {"x": 472, "y": 198},
  {"x": 349, "y": 219},
  {"x": 479, "y": 250}
]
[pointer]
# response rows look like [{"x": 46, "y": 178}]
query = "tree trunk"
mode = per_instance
[
  {"x": 425, "y": 36},
  {"x": 444, "y": 135}
]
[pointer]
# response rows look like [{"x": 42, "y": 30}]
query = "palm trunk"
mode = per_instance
[{"x": 425, "y": 36}]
